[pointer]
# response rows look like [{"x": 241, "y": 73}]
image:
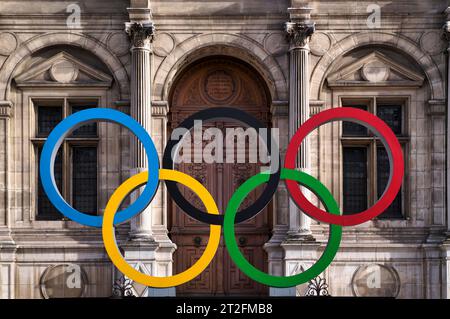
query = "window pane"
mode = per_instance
[
  {"x": 87, "y": 130},
  {"x": 48, "y": 118},
  {"x": 46, "y": 210},
  {"x": 354, "y": 129},
  {"x": 383, "y": 172},
  {"x": 85, "y": 179},
  {"x": 355, "y": 179},
  {"x": 392, "y": 115}
]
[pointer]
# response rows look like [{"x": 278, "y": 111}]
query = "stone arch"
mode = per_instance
[
  {"x": 399, "y": 42},
  {"x": 66, "y": 38},
  {"x": 232, "y": 45}
]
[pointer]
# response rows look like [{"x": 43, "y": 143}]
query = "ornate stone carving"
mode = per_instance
[
  {"x": 141, "y": 34},
  {"x": 164, "y": 44},
  {"x": 8, "y": 43},
  {"x": 219, "y": 86},
  {"x": 320, "y": 43},
  {"x": 431, "y": 42},
  {"x": 64, "y": 71},
  {"x": 375, "y": 71},
  {"x": 119, "y": 43},
  {"x": 299, "y": 33},
  {"x": 446, "y": 27}
]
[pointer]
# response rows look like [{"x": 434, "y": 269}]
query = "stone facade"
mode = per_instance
[{"x": 312, "y": 55}]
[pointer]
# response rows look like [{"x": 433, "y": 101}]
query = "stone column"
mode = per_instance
[
  {"x": 299, "y": 31},
  {"x": 446, "y": 246},
  {"x": 141, "y": 36},
  {"x": 275, "y": 252},
  {"x": 447, "y": 35}
]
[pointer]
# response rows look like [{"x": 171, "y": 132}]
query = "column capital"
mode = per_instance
[
  {"x": 446, "y": 27},
  {"x": 300, "y": 28},
  {"x": 299, "y": 34},
  {"x": 141, "y": 34}
]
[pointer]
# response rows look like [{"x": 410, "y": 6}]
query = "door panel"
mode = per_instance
[{"x": 211, "y": 83}]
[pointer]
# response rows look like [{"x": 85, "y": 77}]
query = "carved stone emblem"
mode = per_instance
[
  {"x": 63, "y": 281},
  {"x": 376, "y": 281},
  {"x": 320, "y": 43},
  {"x": 64, "y": 72},
  {"x": 219, "y": 86},
  {"x": 375, "y": 71},
  {"x": 8, "y": 43}
]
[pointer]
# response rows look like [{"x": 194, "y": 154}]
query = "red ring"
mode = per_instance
[{"x": 392, "y": 146}]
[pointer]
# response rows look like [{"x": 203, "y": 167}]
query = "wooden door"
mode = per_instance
[{"x": 212, "y": 83}]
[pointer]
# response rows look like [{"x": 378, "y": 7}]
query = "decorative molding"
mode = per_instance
[
  {"x": 280, "y": 108},
  {"x": 123, "y": 106},
  {"x": 160, "y": 108},
  {"x": 320, "y": 43},
  {"x": 141, "y": 34},
  {"x": 437, "y": 107},
  {"x": 408, "y": 77},
  {"x": 164, "y": 43},
  {"x": 46, "y": 74},
  {"x": 6, "y": 108},
  {"x": 316, "y": 106},
  {"x": 301, "y": 13},
  {"x": 8, "y": 43}
]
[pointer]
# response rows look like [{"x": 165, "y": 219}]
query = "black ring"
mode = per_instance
[{"x": 186, "y": 206}]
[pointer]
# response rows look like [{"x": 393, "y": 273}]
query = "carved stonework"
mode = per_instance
[
  {"x": 141, "y": 34},
  {"x": 5, "y": 108},
  {"x": 446, "y": 27},
  {"x": 299, "y": 33}
]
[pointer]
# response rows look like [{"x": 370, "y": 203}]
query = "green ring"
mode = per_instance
[{"x": 325, "y": 260}]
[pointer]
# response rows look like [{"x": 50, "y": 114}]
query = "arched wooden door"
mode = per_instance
[{"x": 219, "y": 81}]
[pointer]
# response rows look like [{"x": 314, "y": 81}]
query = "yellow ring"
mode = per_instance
[{"x": 110, "y": 239}]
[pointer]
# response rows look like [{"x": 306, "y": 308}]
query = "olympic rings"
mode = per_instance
[
  {"x": 116, "y": 256},
  {"x": 55, "y": 140},
  {"x": 151, "y": 178},
  {"x": 393, "y": 149},
  {"x": 186, "y": 206},
  {"x": 254, "y": 273}
]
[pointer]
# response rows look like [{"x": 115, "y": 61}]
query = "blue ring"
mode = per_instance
[{"x": 71, "y": 123}]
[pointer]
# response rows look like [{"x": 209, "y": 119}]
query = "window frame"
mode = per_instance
[
  {"x": 68, "y": 95},
  {"x": 372, "y": 142}
]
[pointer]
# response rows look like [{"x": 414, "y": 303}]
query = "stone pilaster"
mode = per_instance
[
  {"x": 280, "y": 119},
  {"x": 446, "y": 246},
  {"x": 141, "y": 35},
  {"x": 447, "y": 35},
  {"x": 7, "y": 246},
  {"x": 299, "y": 31},
  {"x": 436, "y": 111}
]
